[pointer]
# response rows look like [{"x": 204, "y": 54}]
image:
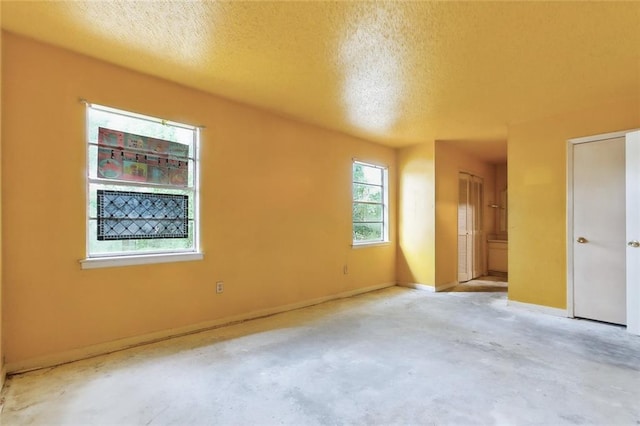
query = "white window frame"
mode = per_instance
[
  {"x": 385, "y": 204},
  {"x": 114, "y": 259}
]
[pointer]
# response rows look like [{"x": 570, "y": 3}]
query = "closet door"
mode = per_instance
[
  {"x": 604, "y": 228},
  {"x": 599, "y": 246},
  {"x": 465, "y": 225},
  {"x": 477, "y": 232},
  {"x": 471, "y": 246}
]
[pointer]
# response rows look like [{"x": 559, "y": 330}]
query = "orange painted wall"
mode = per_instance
[
  {"x": 501, "y": 185},
  {"x": 416, "y": 214},
  {"x": 276, "y": 209},
  {"x": 2, "y": 366},
  {"x": 450, "y": 161},
  {"x": 538, "y": 191},
  {"x": 428, "y": 210}
]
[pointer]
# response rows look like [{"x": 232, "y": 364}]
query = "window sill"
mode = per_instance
[
  {"x": 371, "y": 244},
  {"x": 146, "y": 259}
]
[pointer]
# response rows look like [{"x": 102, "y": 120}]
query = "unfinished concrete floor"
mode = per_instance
[{"x": 395, "y": 356}]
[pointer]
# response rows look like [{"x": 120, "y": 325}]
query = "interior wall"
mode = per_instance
[
  {"x": 537, "y": 159},
  {"x": 501, "y": 184},
  {"x": 275, "y": 209},
  {"x": 416, "y": 215},
  {"x": 450, "y": 161},
  {"x": 2, "y": 364}
]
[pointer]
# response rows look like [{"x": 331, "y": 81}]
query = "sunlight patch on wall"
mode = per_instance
[
  {"x": 372, "y": 60},
  {"x": 416, "y": 202},
  {"x": 178, "y": 31}
]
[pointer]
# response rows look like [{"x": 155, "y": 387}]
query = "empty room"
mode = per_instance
[{"x": 319, "y": 213}]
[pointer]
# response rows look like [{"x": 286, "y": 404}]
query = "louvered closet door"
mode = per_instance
[
  {"x": 477, "y": 234},
  {"x": 465, "y": 224},
  {"x": 471, "y": 245}
]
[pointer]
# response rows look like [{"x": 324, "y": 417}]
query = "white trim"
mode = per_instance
[
  {"x": 109, "y": 262},
  {"x": 3, "y": 378},
  {"x": 130, "y": 342},
  {"x": 196, "y": 194},
  {"x": 430, "y": 288},
  {"x": 569, "y": 221},
  {"x": 369, "y": 163},
  {"x": 125, "y": 113},
  {"x": 447, "y": 286},
  {"x": 602, "y": 137},
  {"x": 540, "y": 309},
  {"x": 371, "y": 244},
  {"x": 632, "y": 158},
  {"x": 87, "y": 192},
  {"x": 569, "y": 207},
  {"x": 418, "y": 286},
  {"x": 385, "y": 206}
]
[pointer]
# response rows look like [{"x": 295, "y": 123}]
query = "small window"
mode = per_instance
[
  {"x": 142, "y": 185},
  {"x": 370, "y": 201}
]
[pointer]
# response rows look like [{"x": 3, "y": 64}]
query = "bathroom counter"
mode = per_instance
[{"x": 497, "y": 255}]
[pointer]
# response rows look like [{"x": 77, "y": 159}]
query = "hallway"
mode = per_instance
[{"x": 394, "y": 356}]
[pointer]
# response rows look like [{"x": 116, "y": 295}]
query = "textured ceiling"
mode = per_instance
[{"x": 396, "y": 73}]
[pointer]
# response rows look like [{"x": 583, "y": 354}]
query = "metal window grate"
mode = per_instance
[{"x": 124, "y": 215}]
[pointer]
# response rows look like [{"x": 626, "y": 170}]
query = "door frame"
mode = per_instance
[
  {"x": 569, "y": 236},
  {"x": 632, "y": 156}
]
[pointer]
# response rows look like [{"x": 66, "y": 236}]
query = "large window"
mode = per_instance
[
  {"x": 142, "y": 186},
  {"x": 370, "y": 201}
]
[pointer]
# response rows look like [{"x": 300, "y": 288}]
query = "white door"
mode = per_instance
[
  {"x": 476, "y": 198},
  {"x": 633, "y": 231},
  {"x": 470, "y": 230},
  {"x": 599, "y": 240},
  {"x": 465, "y": 241}
]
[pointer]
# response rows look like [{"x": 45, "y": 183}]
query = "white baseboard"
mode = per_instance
[
  {"x": 130, "y": 342},
  {"x": 418, "y": 286},
  {"x": 447, "y": 286},
  {"x": 428, "y": 287},
  {"x": 540, "y": 309}
]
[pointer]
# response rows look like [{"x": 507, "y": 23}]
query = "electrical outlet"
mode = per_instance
[
  {"x": 219, "y": 287},
  {"x": 345, "y": 269}
]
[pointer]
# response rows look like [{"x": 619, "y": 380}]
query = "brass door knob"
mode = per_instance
[
  {"x": 582, "y": 240},
  {"x": 633, "y": 243}
]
